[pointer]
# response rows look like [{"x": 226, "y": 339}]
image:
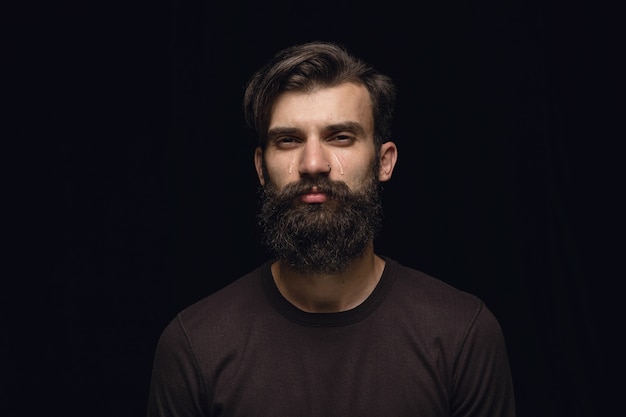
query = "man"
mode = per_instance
[{"x": 328, "y": 327}]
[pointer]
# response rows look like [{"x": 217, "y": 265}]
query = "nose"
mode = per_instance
[{"x": 313, "y": 160}]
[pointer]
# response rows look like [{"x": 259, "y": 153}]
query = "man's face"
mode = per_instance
[
  {"x": 328, "y": 132},
  {"x": 320, "y": 172}
]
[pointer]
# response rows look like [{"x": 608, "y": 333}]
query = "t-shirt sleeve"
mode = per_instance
[
  {"x": 482, "y": 381},
  {"x": 176, "y": 387}
]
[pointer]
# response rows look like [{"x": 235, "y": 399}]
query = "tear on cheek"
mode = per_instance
[{"x": 338, "y": 163}]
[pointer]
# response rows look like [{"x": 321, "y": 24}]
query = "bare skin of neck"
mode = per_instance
[{"x": 330, "y": 293}]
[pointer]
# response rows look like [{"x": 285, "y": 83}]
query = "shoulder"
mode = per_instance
[
  {"x": 222, "y": 314},
  {"x": 430, "y": 291},
  {"x": 434, "y": 301}
]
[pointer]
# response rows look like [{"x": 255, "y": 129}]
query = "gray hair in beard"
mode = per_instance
[{"x": 320, "y": 238}]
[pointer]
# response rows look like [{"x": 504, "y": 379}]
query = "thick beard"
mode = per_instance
[{"x": 320, "y": 238}]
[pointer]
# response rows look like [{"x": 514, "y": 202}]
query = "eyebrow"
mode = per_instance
[
  {"x": 336, "y": 127},
  {"x": 349, "y": 126},
  {"x": 281, "y": 131}
]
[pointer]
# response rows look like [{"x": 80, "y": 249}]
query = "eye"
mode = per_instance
[
  {"x": 342, "y": 139},
  {"x": 286, "y": 141}
]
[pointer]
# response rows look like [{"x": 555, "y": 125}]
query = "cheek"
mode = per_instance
[
  {"x": 363, "y": 178},
  {"x": 356, "y": 175},
  {"x": 281, "y": 172}
]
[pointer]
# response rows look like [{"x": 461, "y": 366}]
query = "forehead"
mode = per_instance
[{"x": 347, "y": 102}]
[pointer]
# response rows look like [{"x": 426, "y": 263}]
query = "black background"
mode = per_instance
[{"x": 137, "y": 194}]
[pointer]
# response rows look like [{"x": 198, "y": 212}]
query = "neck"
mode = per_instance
[{"x": 330, "y": 293}]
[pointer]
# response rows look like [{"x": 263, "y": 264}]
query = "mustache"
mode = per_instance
[{"x": 334, "y": 189}]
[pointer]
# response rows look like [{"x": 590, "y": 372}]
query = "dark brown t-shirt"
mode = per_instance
[{"x": 415, "y": 347}]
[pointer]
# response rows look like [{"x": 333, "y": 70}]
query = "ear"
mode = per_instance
[
  {"x": 388, "y": 158},
  {"x": 258, "y": 164}
]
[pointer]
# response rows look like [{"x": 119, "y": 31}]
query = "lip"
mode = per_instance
[{"x": 314, "y": 196}]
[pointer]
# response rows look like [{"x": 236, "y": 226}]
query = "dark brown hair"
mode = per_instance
[{"x": 310, "y": 65}]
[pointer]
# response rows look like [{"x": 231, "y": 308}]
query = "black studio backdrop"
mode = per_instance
[{"x": 148, "y": 192}]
